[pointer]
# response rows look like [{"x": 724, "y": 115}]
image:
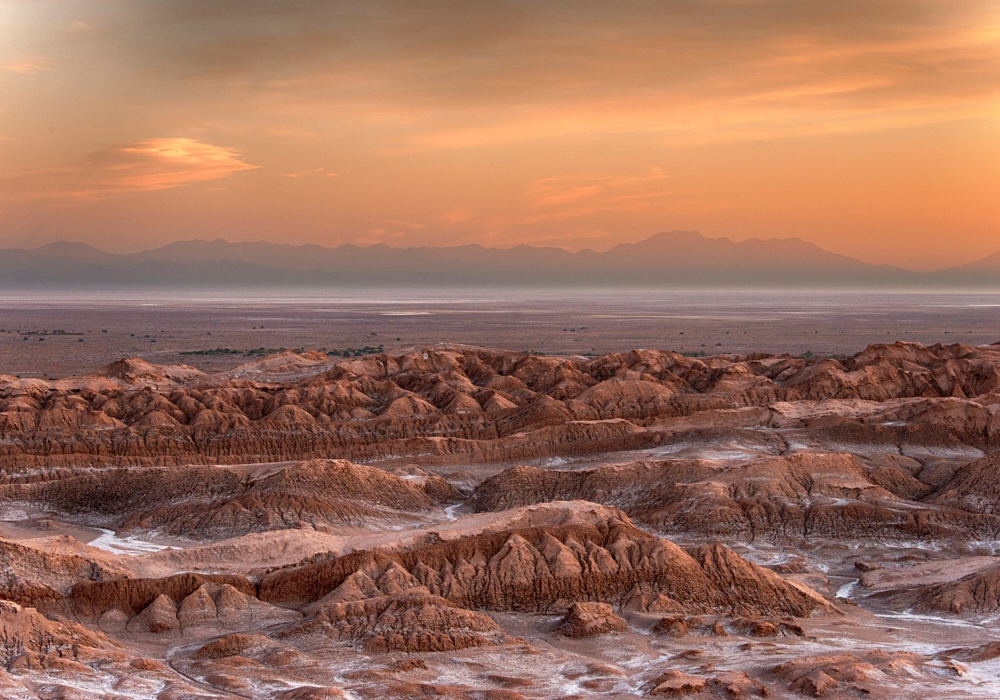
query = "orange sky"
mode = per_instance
[{"x": 869, "y": 127}]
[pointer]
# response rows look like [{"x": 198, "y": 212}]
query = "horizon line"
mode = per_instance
[{"x": 796, "y": 239}]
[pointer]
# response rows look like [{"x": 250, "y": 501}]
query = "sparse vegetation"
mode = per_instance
[
  {"x": 356, "y": 352},
  {"x": 253, "y": 352},
  {"x": 55, "y": 332}
]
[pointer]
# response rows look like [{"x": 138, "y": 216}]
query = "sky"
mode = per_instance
[{"x": 868, "y": 127}]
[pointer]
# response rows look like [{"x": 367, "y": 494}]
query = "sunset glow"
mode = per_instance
[{"x": 869, "y": 128}]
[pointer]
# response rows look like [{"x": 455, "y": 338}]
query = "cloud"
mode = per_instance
[
  {"x": 457, "y": 216},
  {"x": 26, "y": 66},
  {"x": 403, "y": 224},
  {"x": 461, "y": 76},
  {"x": 435, "y": 75},
  {"x": 306, "y": 173},
  {"x": 582, "y": 194},
  {"x": 392, "y": 232},
  {"x": 145, "y": 166}
]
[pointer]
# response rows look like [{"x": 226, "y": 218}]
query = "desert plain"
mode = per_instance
[{"x": 497, "y": 497}]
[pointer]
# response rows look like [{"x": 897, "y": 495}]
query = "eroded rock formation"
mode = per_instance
[
  {"x": 546, "y": 569},
  {"x": 472, "y": 404},
  {"x": 798, "y": 496},
  {"x": 686, "y": 527}
]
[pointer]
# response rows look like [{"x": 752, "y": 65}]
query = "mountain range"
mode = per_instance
[{"x": 675, "y": 259}]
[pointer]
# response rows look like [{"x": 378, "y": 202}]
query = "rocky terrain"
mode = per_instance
[{"x": 461, "y": 522}]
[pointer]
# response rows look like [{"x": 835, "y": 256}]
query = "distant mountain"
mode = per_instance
[
  {"x": 991, "y": 263},
  {"x": 678, "y": 259},
  {"x": 981, "y": 273},
  {"x": 65, "y": 249}
]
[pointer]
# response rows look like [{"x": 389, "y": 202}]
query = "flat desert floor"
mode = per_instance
[{"x": 98, "y": 328}]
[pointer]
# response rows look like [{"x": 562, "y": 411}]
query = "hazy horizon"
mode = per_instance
[
  {"x": 497, "y": 247},
  {"x": 675, "y": 260}
]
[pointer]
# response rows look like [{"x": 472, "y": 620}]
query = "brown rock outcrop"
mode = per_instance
[
  {"x": 799, "y": 496},
  {"x": 976, "y": 593},
  {"x": 974, "y": 487},
  {"x": 410, "y": 621},
  {"x": 590, "y": 619},
  {"x": 982, "y": 652},
  {"x": 222, "y": 607},
  {"x": 36, "y": 574},
  {"x": 217, "y": 502},
  {"x": 678, "y": 626},
  {"x": 232, "y": 645},
  {"x": 676, "y": 683},
  {"x": 298, "y": 406},
  {"x": 159, "y": 616},
  {"x": 870, "y": 674},
  {"x": 188, "y": 603},
  {"x": 401, "y": 690},
  {"x": 631, "y": 487},
  {"x": 24, "y": 630},
  {"x": 738, "y": 684},
  {"x": 91, "y": 599},
  {"x": 308, "y": 692},
  {"x": 545, "y": 569}
]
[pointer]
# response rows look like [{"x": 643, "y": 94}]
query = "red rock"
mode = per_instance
[{"x": 589, "y": 619}]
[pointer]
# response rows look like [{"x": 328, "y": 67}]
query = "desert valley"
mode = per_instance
[
  {"x": 456, "y": 521},
  {"x": 508, "y": 350}
]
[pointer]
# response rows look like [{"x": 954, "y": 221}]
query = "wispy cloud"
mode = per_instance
[
  {"x": 145, "y": 166},
  {"x": 482, "y": 73},
  {"x": 457, "y": 216},
  {"x": 26, "y": 66},
  {"x": 575, "y": 195},
  {"x": 317, "y": 172},
  {"x": 403, "y": 224}
]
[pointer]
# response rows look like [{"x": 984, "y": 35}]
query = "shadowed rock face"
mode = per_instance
[
  {"x": 91, "y": 599},
  {"x": 976, "y": 593},
  {"x": 208, "y": 502},
  {"x": 30, "y": 576},
  {"x": 475, "y": 404},
  {"x": 802, "y": 496},
  {"x": 410, "y": 621},
  {"x": 974, "y": 487},
  {"x": 546, "y": 569},
  {"x": 24, "y": 630},
  {"x": 864, "y": 674}
]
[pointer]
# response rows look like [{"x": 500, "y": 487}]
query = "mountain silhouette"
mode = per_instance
[{"x": 675, "y": 259}]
